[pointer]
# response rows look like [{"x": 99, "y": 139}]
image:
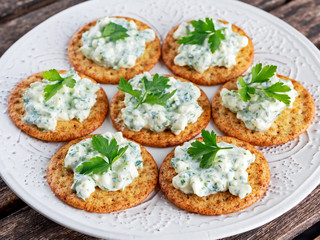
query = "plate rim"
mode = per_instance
[{"x": 295, "y": 198}]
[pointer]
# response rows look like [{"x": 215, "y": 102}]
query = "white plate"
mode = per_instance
[{"x": 294, "y": 166}]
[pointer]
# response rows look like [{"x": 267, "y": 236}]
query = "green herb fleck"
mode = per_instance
[
  {"x": 202, "y": 30},
  {"x": 138, "y": 163},
  {"x": 153, "y": 90},
  {"x": 53, "y": 76},
  {"x": 99, "y": 165},
  {"x": 207, "y": 150}
]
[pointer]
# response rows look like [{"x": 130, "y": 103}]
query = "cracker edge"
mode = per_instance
[
  {"x": 83, "y": 205},
  {"x": 174, "y": 140},
  {"x": 72, "y": 49},
  {"x": 170, "y": 191},
  {"x": 266, "y": 141},
  {"x": 188, "y": 72},
  {"x": 33, "y": 130}
]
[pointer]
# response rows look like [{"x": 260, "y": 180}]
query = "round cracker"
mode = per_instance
[
  {"x": 109, "y": 75},
  {"x": 165, "y": 138},
  {"x": 290, "y": 124},
  {"x": 65, "y": 130},
  {"x": 60, "y": 181},
  {"x": 213, "y": 75},
  {"x": 221, "y": 202}
]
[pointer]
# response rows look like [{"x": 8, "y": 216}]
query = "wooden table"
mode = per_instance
[{"x": 17, "y": 220}]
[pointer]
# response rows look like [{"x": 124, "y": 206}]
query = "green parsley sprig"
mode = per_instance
[
  {"x": 98, "y": 165},
  {"x": 207, "y": 150},
  {"x": 54, "y": 76},
  {"x": 203, "y": 30},
  {"x": 153, "y": 90},
  {"x": 114, "y": 32},
  {"x": 260, "y": 75}
]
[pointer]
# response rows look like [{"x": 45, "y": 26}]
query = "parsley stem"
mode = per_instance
[{"x": 141, "y": 100}]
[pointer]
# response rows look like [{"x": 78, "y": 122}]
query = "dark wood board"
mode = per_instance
[{"x": 18, "y": 221}]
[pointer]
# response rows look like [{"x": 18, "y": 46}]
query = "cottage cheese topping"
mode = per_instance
[
  {"x": 124, "y": 170},
  {"x": 122, "y": 53},
  {"x": 227, "y": 173},
  {"x": 180, "y": 109},
  {"x": 200, "y": 57},
  {"x": 66, "y": 104},
  {"x": 261, "y": 111}
]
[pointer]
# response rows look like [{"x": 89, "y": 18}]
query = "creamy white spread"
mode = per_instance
[
  {"x": 124, "y": 170},
  {"x": 122, "y": 53},
  {"x": 227, "y": 173},
  {"x": 179, "y": 111},
  {"x": 200, "y": 57},
  {"x": 66, "y": 104},
  {"x": 260, "y": 111}
]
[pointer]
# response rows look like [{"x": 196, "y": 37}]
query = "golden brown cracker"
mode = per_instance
[
  {"x": 65, "y": 130},
  {"x": 60, "y": 181},
  {"x": 109, "y": 75},
  {"x": 290, "y": 124},
  {"x": 213, "y": 75},
  {"x": 165, "y": 138},
  {"x": 221, "y": 202}
]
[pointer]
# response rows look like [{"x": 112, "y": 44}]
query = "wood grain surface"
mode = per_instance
[{"x": 18, "y": 221}]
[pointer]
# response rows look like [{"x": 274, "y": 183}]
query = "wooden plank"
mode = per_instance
[
  {"x": 14, "y": 29},
  {"x": 10, "y": 32},
  {"x": 15, "y": 8},
  {"x": 266, "y": 5},
  {"x": 304, "y": 16},
  {"x": 28, "y": 224},
  {"x": 290, "y": 224},
  {"x": 9, "y": 202},
  {"x": 312, "y": 233}
]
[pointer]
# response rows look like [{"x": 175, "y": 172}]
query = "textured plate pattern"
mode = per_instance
[{"x": 295, "y": 166}]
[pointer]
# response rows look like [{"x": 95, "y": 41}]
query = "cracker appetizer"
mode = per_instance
[
  {"x": 263, "y": 108},
  {"x": 207, "y": 52},
  {"x": 159, "y": 111},
  {"x": 214, "y": 175},
  {"x": 102, "y": 173},
  {"x": 114, "y": 47},
  {"x": 58, "y": 105}
]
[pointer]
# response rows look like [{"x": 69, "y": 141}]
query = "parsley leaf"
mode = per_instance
[
  {"x": 153, "y": 90},
  {"x": 207, "y": 151},
  {"x": 263, "y": 75},
  {"x": 109, "y": 149},
  {"x": 51, "y": 89},
  {"x": 260, "y": 75},
  {"x": 245, "y": 90},
  {"x": 202, "y": 30},
  {"x": 114, "y": 32},
  {"x": 215, "y": 40},
  {"x": 95, "y": 165},
  {"x": 278, "y": 87},
  {"x": 98, "y": 165},
  {"x": 52, "y": 75}
]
